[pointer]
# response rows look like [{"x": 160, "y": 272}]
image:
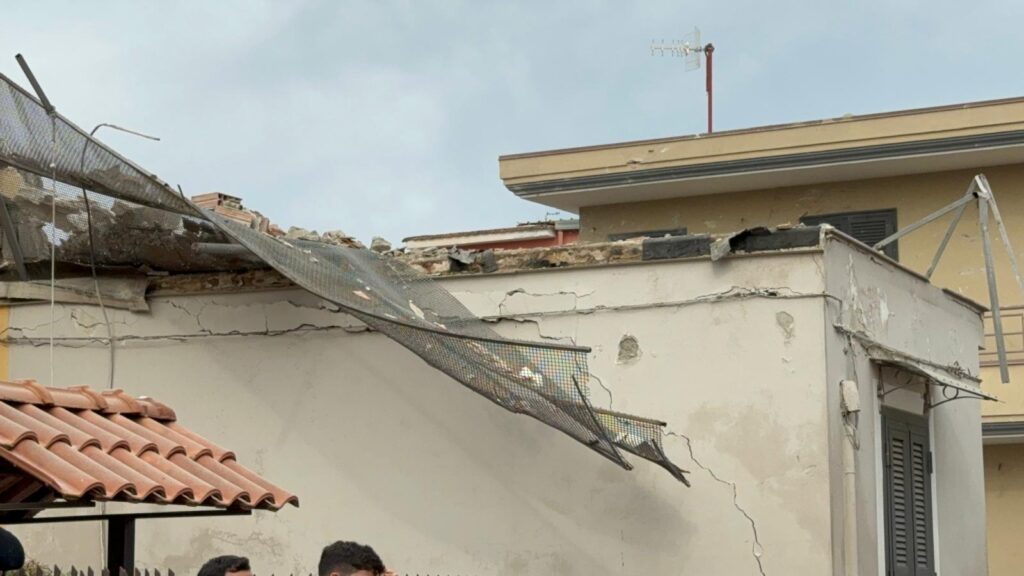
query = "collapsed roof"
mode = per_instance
[{"x": 66, "y": 194}]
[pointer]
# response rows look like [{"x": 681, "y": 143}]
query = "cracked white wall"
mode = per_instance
[
  {"x": 898, "y": 310},
  {"x": 383, "y": 449}
]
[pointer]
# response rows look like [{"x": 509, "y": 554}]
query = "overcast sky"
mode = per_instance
[{"x": 387, "y": 118}]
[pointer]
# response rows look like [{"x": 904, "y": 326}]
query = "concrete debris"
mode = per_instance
[
  {"x": 440, "y": 261},
  {"x": 464, "y": 257},
  {"x": 231, "y": 207},
  {"x": 296, "y": 233},
  {"x": 217, "y": 282},
  {"x": 444, "y": 261},
  {"x": 380, "y": 245},
  {"x": 128, "y": 237},
  {"x": 339, "y": 238},
  {"x": 336, "y": 237}
]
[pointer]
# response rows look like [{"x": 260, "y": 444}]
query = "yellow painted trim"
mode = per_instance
[{"x": 825, "y": 135}]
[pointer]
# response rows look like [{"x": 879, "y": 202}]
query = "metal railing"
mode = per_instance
[
  {"x": 35, "y": 569},
  {"x": 1013, "y": 336}
]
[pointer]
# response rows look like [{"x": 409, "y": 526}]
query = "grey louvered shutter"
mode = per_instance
[
  {"x": 908, "y": 498},
  {"x": 869, "y": 227}
]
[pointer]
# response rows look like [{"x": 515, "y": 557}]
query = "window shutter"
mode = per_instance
[
  {"x": 899, "y": 538},
  {"x": 868, "y": 227},
  {"x": 647, "y": 234},
  {"x": 908, "y": 496},
  {"x": 921, "y": 503}
]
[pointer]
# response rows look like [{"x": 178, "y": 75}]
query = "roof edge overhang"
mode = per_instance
[
  {"x": 637, "y": 184},
  {"x": 519, "y": 234},
  {"x": 885, "y": 116},
  {"x": 1003, "y": 432}
]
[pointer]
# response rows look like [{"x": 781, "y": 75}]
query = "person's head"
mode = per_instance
[
  {"x": 226, "y": 566},
  {"x": 350, "y": 559},
  {"x": 12, "y": 555}
]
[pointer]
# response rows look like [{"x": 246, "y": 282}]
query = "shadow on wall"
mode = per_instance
[{"x": 395, "y": 441}]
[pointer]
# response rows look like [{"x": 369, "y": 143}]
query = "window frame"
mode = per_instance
[{"x": 915, "y": 428}]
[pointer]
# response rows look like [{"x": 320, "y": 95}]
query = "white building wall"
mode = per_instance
[
  {"x": 898, "y": 310},
  {"x": 383, "y": 449}
]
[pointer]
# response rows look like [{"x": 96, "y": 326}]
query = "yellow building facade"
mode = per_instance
[{"x": 895, "y": 168}]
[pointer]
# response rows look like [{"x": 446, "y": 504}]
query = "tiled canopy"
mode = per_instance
[{"x": 81, "y": 444}]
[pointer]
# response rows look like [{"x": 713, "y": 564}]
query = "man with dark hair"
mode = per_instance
[
  {"x": 226, "y": 566},
  {"x": 12, "y": 555},
  {"x": 351, "y": 559}
]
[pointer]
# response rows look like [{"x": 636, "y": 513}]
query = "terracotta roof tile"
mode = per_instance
[{"x": 77, "y": 443}]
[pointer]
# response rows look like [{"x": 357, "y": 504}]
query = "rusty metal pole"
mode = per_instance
[{"x": 708, "y": 51}]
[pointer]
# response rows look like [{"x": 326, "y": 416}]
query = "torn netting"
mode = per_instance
[{"x": 546, "y": 381}]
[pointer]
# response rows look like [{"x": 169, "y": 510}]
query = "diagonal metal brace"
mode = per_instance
[
  {"x": 968, "y": 197},
  {"x": 993, "y": 292},
  {"x": 945, "y": 241}
]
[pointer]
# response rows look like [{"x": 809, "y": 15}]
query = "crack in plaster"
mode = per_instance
[
  {"x": 66, "y": 341},
  {"x": 203, "y": 331},
  {"x": 322, "y": 305},
  {"x": 99, "y": 322},
  {"x": 536, "y": 323},
  {"x": 611, "y": 398},
  {"x": 575, "y": 304},
  {"x": 732, "y": 293},
  {"x": 194, "y": 315},
  {"x": 23, "y": 329},
  {"x": 756, "y": 548}
]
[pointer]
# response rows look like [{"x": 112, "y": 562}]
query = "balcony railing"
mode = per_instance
[{"x": 1013, "y": 335}]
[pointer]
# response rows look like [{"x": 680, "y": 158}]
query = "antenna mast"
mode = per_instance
[{"x": 690, "y": 49}]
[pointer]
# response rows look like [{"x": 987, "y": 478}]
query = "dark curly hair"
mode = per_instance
[
  {"x": 12, "y": 555},
  {"x": 222, "y": 565},
  {"x": 346, "y": 558}
]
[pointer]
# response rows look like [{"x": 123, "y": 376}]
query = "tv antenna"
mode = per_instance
[{"x": 690, "y": 50}]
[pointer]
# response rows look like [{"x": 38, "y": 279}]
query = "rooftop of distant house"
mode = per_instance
[
  {"x": 526, "y": 234},
  {"x": 850, "y": 147}
]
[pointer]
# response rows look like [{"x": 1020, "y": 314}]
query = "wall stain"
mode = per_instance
[{"x": 786, "y": 324}]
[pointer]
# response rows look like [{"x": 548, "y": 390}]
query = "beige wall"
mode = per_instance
[
  {"x": 1004, "y": 487},
  {"x": 914, "y": 197},
  {"x": 384, "y": 449}
]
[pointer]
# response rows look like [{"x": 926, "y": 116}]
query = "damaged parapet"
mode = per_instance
[
  {"x": 126, "y": 237},
  {"x": 442, "y": 262},
  {"x": 231, "y": 208}
]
